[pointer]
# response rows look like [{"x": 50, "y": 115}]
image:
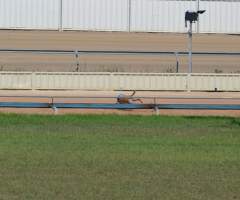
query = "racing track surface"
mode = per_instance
[{"x": 72, "y": 40}]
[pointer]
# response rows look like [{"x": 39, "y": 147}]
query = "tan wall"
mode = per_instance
[{"x": 119, "y": 81}]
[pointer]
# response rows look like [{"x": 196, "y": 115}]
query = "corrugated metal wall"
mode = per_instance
[
  {"x": 110, "y": 15},
  {"x": 222, "y": 16},
  {"x": 29, "y": 14},
  {"x": 119, "y": 81},
  {"x": 160, "y": 15}
]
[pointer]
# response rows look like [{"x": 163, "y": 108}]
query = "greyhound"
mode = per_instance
[{"x": 126, "y": 99}]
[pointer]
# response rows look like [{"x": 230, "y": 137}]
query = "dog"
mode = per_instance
[{"x": 127, "y": 99}]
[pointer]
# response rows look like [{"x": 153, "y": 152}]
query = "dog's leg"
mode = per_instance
[{"x": 137, "y": 100}]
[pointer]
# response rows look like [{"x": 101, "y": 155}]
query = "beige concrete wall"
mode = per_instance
[{"x": 119, "y": 81}]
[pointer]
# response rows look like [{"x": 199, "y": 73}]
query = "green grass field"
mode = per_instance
[{"x": 119, "y": 157}]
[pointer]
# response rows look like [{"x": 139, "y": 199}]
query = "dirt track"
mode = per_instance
[
  {"x": 227, "y": 98},
  {"x": 116, "y": 41}
]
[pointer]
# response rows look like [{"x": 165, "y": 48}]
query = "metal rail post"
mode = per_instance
[
  {"x": 55, "y": 109},
  {"x": 177, "y": 62},
  {"x": 77, "y": 60},
  {"x": 156, "y": 107}
]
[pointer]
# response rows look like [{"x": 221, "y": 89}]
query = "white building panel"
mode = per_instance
[
  {"x": 103, "y": 15},
  {"x": 220, "y": 16},
  {"x": 29, "y": 14},
  {"x": 160, "y": 15}
]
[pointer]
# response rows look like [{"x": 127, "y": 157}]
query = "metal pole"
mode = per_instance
[
  {"x": 190, "y": 49},
  {"x": 198, "y": 8},
  {"x": 60, "y": 25}
]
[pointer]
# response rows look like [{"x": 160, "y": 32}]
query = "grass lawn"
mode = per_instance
[{"x": 119, "y": 157}]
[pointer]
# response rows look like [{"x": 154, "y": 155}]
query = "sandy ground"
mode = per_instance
[
  {"x": 71, "y": 40},
  {"x": 110, "y": 97}
]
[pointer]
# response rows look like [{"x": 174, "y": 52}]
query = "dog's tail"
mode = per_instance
[{"x": 134, "y": 92}]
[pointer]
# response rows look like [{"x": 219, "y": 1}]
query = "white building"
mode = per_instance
[{"x": 222, "y": 16}]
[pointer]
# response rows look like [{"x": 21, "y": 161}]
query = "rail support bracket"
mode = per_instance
[{"x": 156, "y": 109}]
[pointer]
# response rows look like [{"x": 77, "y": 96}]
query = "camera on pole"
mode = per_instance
[{"x": 191, "y": 17}]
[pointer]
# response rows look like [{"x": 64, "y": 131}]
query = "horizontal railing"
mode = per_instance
[
  {"x": 119, "y": 106},
  {"x": 78, "y": 53},
  {"x": 64, "y": 102},
  {"x": 49, "y": 51}
]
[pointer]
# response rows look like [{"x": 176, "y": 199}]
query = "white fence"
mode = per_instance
[
  {"x": 222, "y": 16},
  {"x": 119, "y": 81}
]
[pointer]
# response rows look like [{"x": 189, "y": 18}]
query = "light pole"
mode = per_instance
[
  {"x": 191, "y": 17},
  {"x": 190, "y": 49},
  {"x": 60, "y": 18}
]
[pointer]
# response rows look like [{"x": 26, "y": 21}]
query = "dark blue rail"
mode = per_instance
[
  {"x": 199, "y": 106},
  {"x": 120, "y": 106},
  {"x": 24, "y": 105}
]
